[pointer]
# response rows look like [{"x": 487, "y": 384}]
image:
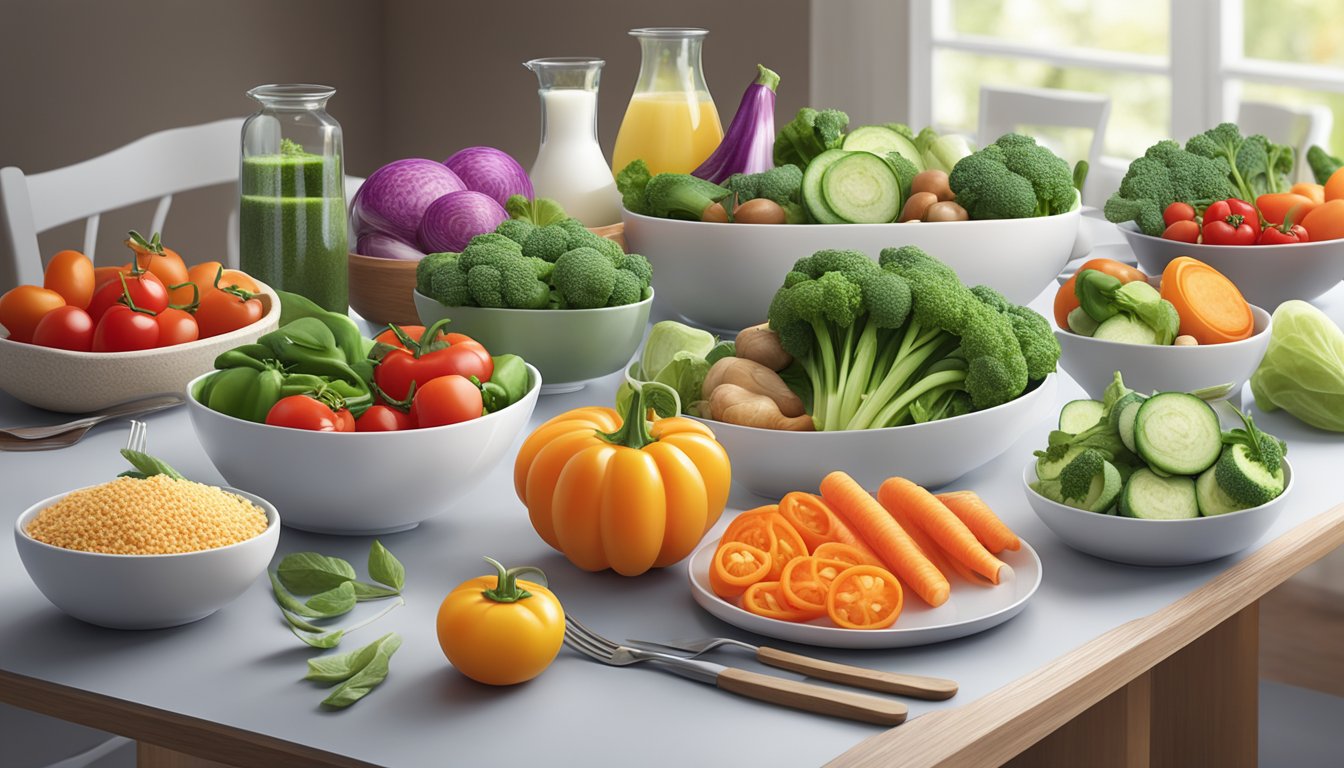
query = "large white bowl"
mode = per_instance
[
  {"x": 1152, "y": 368},
  {"x": 79, "y": 382},
  {"x": 359, "y": 483},
  {"x": 1155, "y": 542},
  {"x": 771, "y": 462},
  {"x": 145, "y": 591},
  {"x": 723, "y": 276},
  {"x": 1267, "y": 275}
]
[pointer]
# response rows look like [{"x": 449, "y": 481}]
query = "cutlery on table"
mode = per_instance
[
  {"x": 69, "y": 433},
  {"x": 139, "y": 436},
  {"x": 743, "y": 682},
  {"x": 914, "y": 686}
]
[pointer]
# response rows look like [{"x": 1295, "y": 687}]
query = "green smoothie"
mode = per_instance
[{"x": 292, "y": 228}]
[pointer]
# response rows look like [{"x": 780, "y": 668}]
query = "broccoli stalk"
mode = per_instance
[
  {"x": 680, "y": 196},
  {"x": 1255, "y": 165}
]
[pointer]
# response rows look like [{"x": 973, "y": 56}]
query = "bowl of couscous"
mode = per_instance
[{"x": 146, "y": 554}]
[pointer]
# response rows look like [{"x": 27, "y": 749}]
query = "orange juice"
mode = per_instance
[{"x": 673, "y": 132}]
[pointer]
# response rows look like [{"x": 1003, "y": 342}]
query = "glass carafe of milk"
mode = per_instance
[{"x": 570, "y": 168}]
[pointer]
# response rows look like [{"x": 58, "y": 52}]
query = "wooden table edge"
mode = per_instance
[
  {"x": 1006, "y": 722},
  {"x": 173, "y": 731}
]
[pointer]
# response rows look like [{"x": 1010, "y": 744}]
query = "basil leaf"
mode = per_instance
[
  {"x": 365, "y": 592},
  {"x": 317, "y": 639},
  {"x": 288, "y": 602},
  {"x": 148, "y": 466},
  {"x": 335, "y": 669},
  {"x": 384, "y": 568},
  {"x": 307, "y": 573},
  {"x": 333, "y": 602},
  {"x": 368, "y": 677}
]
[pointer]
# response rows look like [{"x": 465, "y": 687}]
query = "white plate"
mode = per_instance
[{"x": 972, "y": 608}]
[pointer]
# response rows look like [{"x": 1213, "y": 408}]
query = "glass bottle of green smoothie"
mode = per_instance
[{"x": 291, "y": 224}]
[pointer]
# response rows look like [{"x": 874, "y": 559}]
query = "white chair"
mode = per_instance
[
  {"x": 1298, "y": 127},
  {"x": 1003, "y": 110}
]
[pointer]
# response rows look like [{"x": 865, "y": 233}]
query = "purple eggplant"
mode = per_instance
[{"x": 749, "y": 144}]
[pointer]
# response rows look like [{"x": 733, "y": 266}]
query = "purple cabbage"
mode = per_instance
[
  {"x": 384, "y": 246},
  {"x": 749, "y": 144},
  {"x": 451, "y": 221},
  {"x": 394, "y": 198},
  {"x": 492, "y": 172}
]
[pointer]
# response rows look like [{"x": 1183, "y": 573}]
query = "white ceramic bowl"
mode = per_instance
[
  {"x": 568, "y": 346},
  {"x": 1152, "y": 368},
  {"x": 771, "y": 462},
  {"x": 723, "y": 276},
  {"x": 1155, "y": 542},
  {"x": 1267, "y": 275},
  {"x": 79, "y": 382},
  {"x": 361, "y": 482},
  {"x": 145, "y": 591}
]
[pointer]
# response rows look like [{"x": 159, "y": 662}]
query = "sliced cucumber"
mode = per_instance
[
  {"x": 1078, "y": 415},
  {"x": 1126, "y": 330},
  {"x": 1245, "y": 480},
  {"x": 1103, "y": 491},
  {"x": 811, "y": 192},
  {"x": 879, "y": 140},
  {"x": 1113, "y": 416},
  {"x": 1177, "y": 433},
  {"x": 1049, "y": 470},
  {"x": 861, "y": 188},
  {"x": 1212, "y": 499},
  {"x": 1125, "y": 422},
  {"x": 1081, "y": 323},
  {"x": 1150, "y": 497}
]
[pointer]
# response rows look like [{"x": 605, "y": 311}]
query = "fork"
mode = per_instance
[
  {"x": 743, "y": 682},
  {"x": 139, "y": 436},
  {"x": 914, "y": 686}
]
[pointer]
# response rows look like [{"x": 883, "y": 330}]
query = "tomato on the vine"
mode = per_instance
[
  {"x": 164, "y": 263},
  {"x": 446, "y": 400},
  {"x": 22, "y": 308},
  {"x": 176, "y": 326},
  {"x": 71, "y": 274},
  {"x": 303, "y": 412},
  {"x": 122, "y": 329},
  {"x": 426, "y": 357},
  {"x": 205, "y": 275},
  {"x": 227, "y": 309},
  {"x": 384, "y": 418},
  {"x": 144, "y": 288},
  {"x": 67, "y": 327}
]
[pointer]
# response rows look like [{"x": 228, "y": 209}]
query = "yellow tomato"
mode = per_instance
[{"x": 499, "y": 630}]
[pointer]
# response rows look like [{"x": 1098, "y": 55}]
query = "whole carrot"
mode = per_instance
[
  {"x": 940, "y": 559},
  {"x": 941, "y": 525},
  {"x": 976, "y": 514},
  {"x": 886, "y": 537}
]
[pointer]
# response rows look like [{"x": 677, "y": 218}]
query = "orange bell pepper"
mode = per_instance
[{"x": 624, "y": 494}]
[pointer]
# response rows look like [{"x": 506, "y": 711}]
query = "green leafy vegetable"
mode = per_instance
[
  {"x": 334, "y": 602},
  {"x": 384, "y": 568},
  {"x": 334, "y": 669},
  {"x": 288, "y": 602},
  {"x": 1255, "y": 165},
  {"x": 631, "y": 181},
  {"x": 308, "y": 573},
  {"x": 147, "y": 466},
  {"x": 721, "y": 350},
  {"x": 1303, "y": 368},
  {"x": 808, "y": 134},
  {"x": 1013, "y": 178},
  {"x": 538, "y": 212},
  {"x": 1166, "y": 173},
  {"x": 1323, "y": 164},
  {"x": 368, "y": 677}
]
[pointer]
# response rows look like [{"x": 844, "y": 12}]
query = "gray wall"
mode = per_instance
[{"x": 413, "y": 77}]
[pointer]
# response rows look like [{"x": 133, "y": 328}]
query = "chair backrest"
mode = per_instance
[
  {"x": 1004, "y": 109},
  {"x": 1298, "y": 127}
]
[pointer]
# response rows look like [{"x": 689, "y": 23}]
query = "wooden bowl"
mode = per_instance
[{"x": 382, "y": 290}]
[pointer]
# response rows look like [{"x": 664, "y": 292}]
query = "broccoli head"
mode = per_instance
[
  {"x": 1013, "y": 178},
  {"x": 547, "y": 243},
  {"x": 1166, "y": 173},
  {"x": 809, "y": 134},
  {"x": 631, "y": 182},
  {"x": 781, "y": 184},
  {"x": 1254, "y": 165},
  {"x": 1075, "y": 480},
  {"x": 681, "y": 196},
  {"x": 490, "y": 248},
  {"x": 485, "y": 282},
  {"x": 426, "y": 267},
  {"x": 626, "y": 290},
  {"x": 905, "y": 171},
  {"x": 516, "y": 230},
  {"x": 1034, "y": 335},
  {"x": 640, "y": 267},
  {"x": 584, "y": 277},
  {"x": 448, "y": 285}
]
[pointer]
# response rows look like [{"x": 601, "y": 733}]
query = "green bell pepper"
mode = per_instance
[
  {"x": 244, "y": 393},
  {"x": 507, "y": 384}
]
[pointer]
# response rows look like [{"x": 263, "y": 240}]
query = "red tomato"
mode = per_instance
[
  {"x": 345, "y": 420},
  {"x": 384, "y": 418},
  {"x": 23, "y": 307},
  {"x": 1184, "y": 231},
  {"x": 176, "y": 326},
  {"x": 1231, "y": 222},
  {"x": 399, "y": 368},
  {"x": 145, "y": 289},
  {"x": 67, "y": 327},
  {"x": 222, "y": 311},
  {"x": 70, "y": 273},
  {"x": 206, "y": 273},
  {"x": 446, "y": 400},
  {"x": 417, "y": 331},
  {"x": 1178, "y": 211},
  {"x": 1241, "y": 208},
  {"x": 122, "y": 329},
  {"x": 303, "y": 412}
]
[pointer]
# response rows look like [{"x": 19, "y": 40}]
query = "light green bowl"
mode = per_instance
[{"x": 568, "y": 346}]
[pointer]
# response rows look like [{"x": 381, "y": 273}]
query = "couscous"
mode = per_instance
[{"x": 155, "y": 516}]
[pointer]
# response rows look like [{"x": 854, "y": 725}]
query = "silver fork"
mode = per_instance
[
  {"x": 754, "y": 685},
  {"x": 139, "y": 436},
  {"x": 914, "y": 686}
]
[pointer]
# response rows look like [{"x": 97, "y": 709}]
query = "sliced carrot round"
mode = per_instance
[
  {"x": 865, "y": 597},
  {"x": 1211, "y": 307},
  {"x": 846, "y": 553},
  {"x": 806, "y": 581},
  {"x": 764, "y": 598},
  {"x": 769, "y": 531},
  {"x": 810, "y": 516},
  {"x": 736, "y": 566}
]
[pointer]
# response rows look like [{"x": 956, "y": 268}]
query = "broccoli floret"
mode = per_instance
[
  {"x": 448, "y": 285},
  {"x": 626, "y": 290},
  {"x": 547, "y": 243},
  {"x": 584, "y": 277},
  {"x": 489, "y": 248},
  {"x": 1323, "y": 164},
  {"x": 426, "y": 267},
  {"x": 1166, "y": 173},
  {"x": 904, "y": 130},
  {"x": 1013, "y": 178},
  {"x": 499, "y": 275},
  {"x": 540, "y": 267},
  {"x": 809, "y": 134},
  {"x": 905, "y": 171},
  {"x": 1075, "y": 480},
  {"x": 585, "y": 238},
  {"x": 1255, "y": 165},
  {"x": 640, "y": 268},
  {"x": 516, "y": 230},
  {"x": 681, "y": 196},
  {"x": 781, "y": 184},
  {"x": 522, "y": 288},
  {"x": 1034, "y": 335},
  {"x": 574, "y": 227},
  {"x": 631, "y": 181},
  {"x": 486, "y": 284}
]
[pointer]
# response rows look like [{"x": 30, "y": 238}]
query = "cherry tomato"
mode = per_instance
[
  {"x": 446, "y": 400},
  {"x": 303, "y": 412},
  {"x": 1184, "y": 231},
  {"x": 222, "y": 311},
  {"x": 23, "y": 307},
  {"x": 1178, "y": 211},
  {"x": 164, "y": 263},
  {"x": 1230, "y": 222},
  {"x": 145, "y": 289},
  {"x": 384, "y": 418},
  {"x": 1066, "y": 300},
  {"x": 345, "y": 421},
  {"x": 204, "y": 274},
  {"x": 122, "y": 329},
  {"x": 176, "y": 326},
  {"x": 71, "y": 274},
  {"x": 67, "y": 327}
]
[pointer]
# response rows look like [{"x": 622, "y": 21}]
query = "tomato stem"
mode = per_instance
[
  {"x": 634, "y": 431},
  {"x": 195, "y": 302},
  {"x": 126, "y": 296},
  {"x": 506, "y": 589}
]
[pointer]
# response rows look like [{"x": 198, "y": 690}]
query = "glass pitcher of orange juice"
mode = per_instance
[{"x": 671, "y": 122}]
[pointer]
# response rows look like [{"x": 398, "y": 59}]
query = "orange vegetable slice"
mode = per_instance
[
  {"x": 806, "y": 581},
  {"x": 865, "y": 597},
  {"x": 846, "y": 553},
  {"x": 764, "y": 598},
  {"x": 1211, "y": 307},
  {"x": 766, "y": 529},
  {"x": 736, "y": 566}
]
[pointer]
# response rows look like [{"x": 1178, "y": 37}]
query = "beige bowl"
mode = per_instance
[
  {"x": 79, "y": 382},
  {"x": 380, "y": 290}
]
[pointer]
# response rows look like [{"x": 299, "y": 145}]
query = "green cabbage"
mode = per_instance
[{"x": 1303, "y": 369}]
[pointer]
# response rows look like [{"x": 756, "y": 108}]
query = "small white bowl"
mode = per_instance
[
  {"x": 723, "y": 276},
  {"x": 79, "y": 382},
  {"x": 359, "y": 483},
  {"x": 771, "y": 462},
  {"x": 1153, "y": 368},
  {"x": 145, "y": 591},
  {"x": 1155, "y": 542},
  {"x": 1267, "y": 275}
]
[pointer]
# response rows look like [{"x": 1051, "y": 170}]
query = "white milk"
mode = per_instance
[{"x": 570, "y": 168}]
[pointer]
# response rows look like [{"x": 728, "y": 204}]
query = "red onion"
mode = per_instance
[{"x": 451, "y": 221}]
